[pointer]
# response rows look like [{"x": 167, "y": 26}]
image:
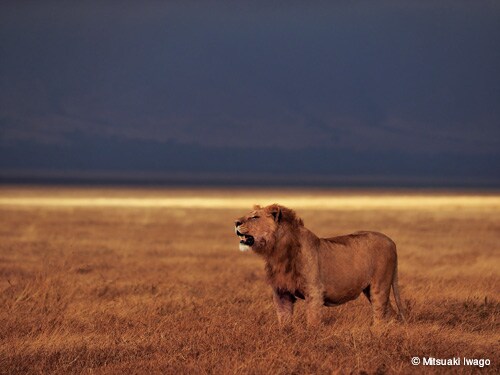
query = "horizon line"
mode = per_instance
[{"x": 148, "y": 178}]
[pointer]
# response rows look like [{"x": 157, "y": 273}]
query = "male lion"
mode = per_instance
[{"x": 323, "y": 271}]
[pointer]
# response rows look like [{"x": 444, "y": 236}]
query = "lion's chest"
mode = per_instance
[{"x": 284, "y": 278}]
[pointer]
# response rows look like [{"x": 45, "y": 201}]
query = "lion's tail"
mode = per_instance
[{"x": 397, "y": 297}]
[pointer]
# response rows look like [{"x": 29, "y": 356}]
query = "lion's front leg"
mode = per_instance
[
  {"x": 313, "y": 287},
  {"x": 314, "y": 303},
  {"x": 284, "y": 301}
]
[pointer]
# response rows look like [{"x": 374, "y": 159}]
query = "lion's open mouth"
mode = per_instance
[{"x": 245, "y": 239}]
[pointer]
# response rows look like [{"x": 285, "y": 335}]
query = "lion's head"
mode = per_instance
[{"x": 261, "y": 227}]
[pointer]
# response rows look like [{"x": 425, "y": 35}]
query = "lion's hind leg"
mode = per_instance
[{"x": 381, "y": 305}]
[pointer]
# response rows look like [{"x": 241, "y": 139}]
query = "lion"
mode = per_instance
[{"x": 322, "y": 271}]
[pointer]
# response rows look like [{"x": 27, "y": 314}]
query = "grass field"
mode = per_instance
[{"x": 151, "y": 281}]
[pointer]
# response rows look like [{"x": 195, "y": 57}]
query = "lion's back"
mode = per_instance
[
  {"x": 362, "y": 251},
  {"x": 362, "y": 239}
]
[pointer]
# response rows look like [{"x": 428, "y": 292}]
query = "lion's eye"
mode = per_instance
[{"x": 254, "y": 217}]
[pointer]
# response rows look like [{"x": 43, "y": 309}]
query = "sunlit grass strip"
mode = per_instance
[{"x": 300, "y": 201}]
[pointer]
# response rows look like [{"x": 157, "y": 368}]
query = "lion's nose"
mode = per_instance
[{"x": 237, "y": 223}]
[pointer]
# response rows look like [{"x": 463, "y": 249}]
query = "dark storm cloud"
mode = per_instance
[{"x": 391, "y": 81}]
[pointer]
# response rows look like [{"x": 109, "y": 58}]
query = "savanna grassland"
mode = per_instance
[{"x": 151, "y": 281}]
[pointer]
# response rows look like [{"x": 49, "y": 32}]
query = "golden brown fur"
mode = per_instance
[{"x": 323, "y": 271}]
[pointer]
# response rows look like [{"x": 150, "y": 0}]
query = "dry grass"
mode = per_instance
[{"x": 160, "y": 287}]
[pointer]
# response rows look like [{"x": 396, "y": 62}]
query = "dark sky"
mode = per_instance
[{"x": 354, "y": 91}]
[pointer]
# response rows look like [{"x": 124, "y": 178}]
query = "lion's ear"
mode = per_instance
[
  {"x": 275, "y": 210},
  {"x": 256, "y": 207}
]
